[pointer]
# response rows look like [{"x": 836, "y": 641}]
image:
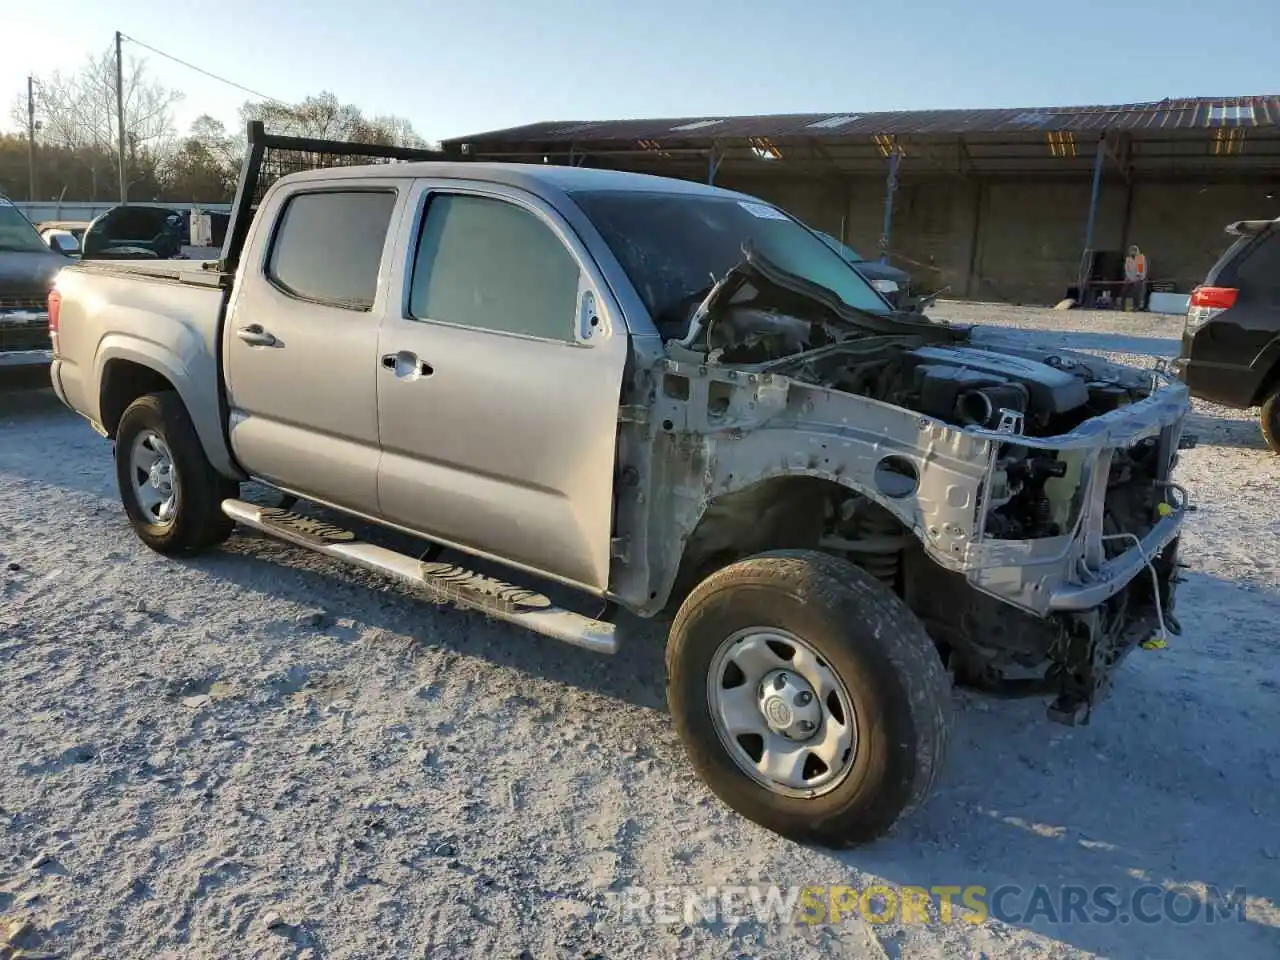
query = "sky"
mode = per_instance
[{"x": 454, "y": 68}]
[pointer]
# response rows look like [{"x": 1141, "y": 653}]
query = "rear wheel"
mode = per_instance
[
  {"x": 1271, "y": 421},
  {"x": 808, "y": 696},
  {"x": 171, "y": 493}
]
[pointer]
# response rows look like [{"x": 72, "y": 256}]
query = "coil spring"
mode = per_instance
[{"x": 884, "y": 566}]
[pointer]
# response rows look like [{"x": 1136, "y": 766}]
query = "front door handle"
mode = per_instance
[
  {"x": 406, "y": 365},
  {"x": 255, "y": 336}
]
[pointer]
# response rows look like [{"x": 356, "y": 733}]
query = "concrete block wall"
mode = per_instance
[{"x": 1021, "y": 240}]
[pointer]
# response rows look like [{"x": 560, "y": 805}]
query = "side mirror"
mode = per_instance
[{"x": 65, "y": 244}]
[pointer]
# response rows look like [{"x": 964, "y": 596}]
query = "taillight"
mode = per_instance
[
  {"x": 1207, "y": 303},
  {"x": 55, "y": 306},
  {"x": 1221, "y": 298}
]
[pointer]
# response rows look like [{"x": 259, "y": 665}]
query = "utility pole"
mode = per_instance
[
  {"x": 31, "y": 137},
  {"x": 124, "y": 189}
]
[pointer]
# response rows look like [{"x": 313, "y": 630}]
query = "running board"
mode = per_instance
[{"x": 444, "y": 582}]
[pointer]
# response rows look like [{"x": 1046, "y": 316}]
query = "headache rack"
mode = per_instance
[{"x": 270, "y": 157}]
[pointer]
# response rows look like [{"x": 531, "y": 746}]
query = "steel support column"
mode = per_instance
[
  {"x": 1086, "y": 257},
  {"x": 891, "y": 187}
]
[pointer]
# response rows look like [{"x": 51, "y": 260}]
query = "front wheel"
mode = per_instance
[
  {"x": 808, "y": 696},
  {"x": 1271, "y": 421},
  {"x": 171, "y": 493}
]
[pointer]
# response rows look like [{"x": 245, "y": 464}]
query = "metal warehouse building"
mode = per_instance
[{"x": 996, "y": 204}]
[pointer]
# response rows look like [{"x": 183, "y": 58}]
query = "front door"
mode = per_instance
[
  {"x": 301, "y": 344},
  {"x": 499, "y": 386}
]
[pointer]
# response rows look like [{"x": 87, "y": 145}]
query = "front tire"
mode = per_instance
[
  {"x": 808, "y": 696},
  {"x": 171, "y": 493},
  {"x": 1271, "y": 421}
]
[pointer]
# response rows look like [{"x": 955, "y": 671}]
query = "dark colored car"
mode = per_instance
[
  {"x": 27, "y": 269},
  {"x": 890, "y": 282},
  {"x": 134, "y": 232},
  {"x": 1231, "y": 339}
]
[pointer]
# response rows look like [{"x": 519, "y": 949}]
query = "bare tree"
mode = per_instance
[
  {"x": 77, "y": 112},
  {"x": 323, "y": 117}
]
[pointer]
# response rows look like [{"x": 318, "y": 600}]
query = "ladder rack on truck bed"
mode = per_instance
[{"x": 270, "y": 157}]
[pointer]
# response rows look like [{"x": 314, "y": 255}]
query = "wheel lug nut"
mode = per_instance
[
  {"x": 806, "y": 725},
  {"x": 779, "y": 681},
  {"x": 803, "y": 698}
]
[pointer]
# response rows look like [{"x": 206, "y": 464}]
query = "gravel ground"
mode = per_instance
[{"x": 259, "y": 753}]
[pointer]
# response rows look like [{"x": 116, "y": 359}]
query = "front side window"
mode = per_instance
[
  {"x": 17, "y": 235},
  {"x": 493, "y": 265},
  {"x": 328, "y": 246}
]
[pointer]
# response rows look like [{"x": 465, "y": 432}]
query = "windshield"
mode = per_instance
[
  {"x": 17, "y": 233},
  {"x": 843, "y": 249},
  {"x": 674, "y": 246}
]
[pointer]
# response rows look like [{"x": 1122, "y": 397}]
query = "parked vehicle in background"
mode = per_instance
[
  {"x": 663, "y": 396},
  {"x": 136, "y": 231},
  {"x": 890, "y": 282},
  {"x": 27, "y": 270},
  {"x": 149, "y": 232},
  {"x": 1231, "y": 337}
]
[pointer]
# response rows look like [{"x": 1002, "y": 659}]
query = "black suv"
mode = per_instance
[{"x": 1231, "y": 341}]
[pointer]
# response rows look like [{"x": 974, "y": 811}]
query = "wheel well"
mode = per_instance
[
  {"x": 1269, "y": 384},
  {"x": 774, "y": 514},
  {"x": 124, "y": 381}
]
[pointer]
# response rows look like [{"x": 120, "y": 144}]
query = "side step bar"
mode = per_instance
[{"x": 444, "y": 582}]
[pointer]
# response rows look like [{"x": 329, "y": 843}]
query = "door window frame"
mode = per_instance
[
  {"x": 591, "y": 280},
  {"x": 279, "y": 211}
]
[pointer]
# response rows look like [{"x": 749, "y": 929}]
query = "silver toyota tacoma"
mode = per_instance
[{"x": 674, "y": 399}]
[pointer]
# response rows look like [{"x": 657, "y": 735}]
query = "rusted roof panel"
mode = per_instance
[{"x": 1191, "y": 114}]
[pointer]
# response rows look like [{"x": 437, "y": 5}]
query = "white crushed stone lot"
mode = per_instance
[{"x": 259, "y": 753}]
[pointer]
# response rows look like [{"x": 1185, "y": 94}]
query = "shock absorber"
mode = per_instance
[{"x": 871, "y": 537}]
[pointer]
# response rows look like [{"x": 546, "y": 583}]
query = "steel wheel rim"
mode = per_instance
[
  {"x": 763, "y": 730},
  {"x": 154, "y": 478}
]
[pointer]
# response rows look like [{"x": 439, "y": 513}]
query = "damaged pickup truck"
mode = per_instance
[{"x": 670, "y": 398}]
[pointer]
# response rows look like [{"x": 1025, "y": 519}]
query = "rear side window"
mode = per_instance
[
  {"x": 1258, "y": 274},
  {"x": 328, "y": 247},
  {"x": 494, "y": 265}
]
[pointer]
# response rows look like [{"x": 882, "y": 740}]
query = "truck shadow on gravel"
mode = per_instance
[{"x": 383, "y": 607}]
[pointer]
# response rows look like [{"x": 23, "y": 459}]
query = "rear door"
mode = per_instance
[
  {"x": 499, "y": 383},
  {"x": 301, "y": 340}
]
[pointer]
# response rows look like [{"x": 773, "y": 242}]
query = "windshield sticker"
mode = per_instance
[{"x": 763, "y": 211}]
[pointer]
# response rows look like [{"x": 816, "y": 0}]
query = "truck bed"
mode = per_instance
[{"x": 159, "y": 315}]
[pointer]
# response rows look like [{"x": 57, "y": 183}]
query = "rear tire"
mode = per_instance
[
  {"x": 857, "y": 644},
  {"x": 171, "y": 493},
  {"x": 1271, "y": 421}
]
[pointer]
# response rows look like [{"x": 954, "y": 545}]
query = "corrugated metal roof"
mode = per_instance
[{"x": 1198, "y": 113}]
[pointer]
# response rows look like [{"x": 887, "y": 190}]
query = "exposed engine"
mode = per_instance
[
  {"x": 965, "y": 378},
  {"x": 761, "y": 319}
]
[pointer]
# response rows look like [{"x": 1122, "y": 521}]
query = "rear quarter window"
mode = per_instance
[
  {"x": 327, "y": 247},
  {"x": 1257, "y": 272}
]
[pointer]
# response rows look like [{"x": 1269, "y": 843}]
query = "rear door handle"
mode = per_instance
[
  {"x": 255, "y": 336},
  {"x": 406, "y": 365}
]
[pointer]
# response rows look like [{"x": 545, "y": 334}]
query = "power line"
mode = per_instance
[{"x": 192, "y": 66}]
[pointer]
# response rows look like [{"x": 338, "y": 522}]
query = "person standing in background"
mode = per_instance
[{"x": 1135, "y": 280}]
